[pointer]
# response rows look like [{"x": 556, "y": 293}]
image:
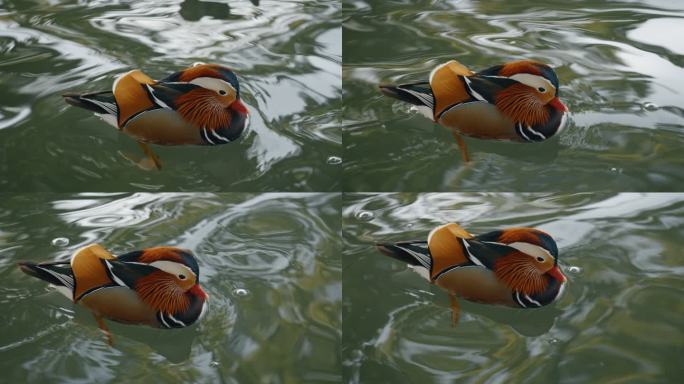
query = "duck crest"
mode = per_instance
[{"x": 521, "y": 66}]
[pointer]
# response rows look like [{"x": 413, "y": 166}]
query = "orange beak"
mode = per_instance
[
  {"x": 557, "y": 104},
  {"x": 199, "y": 292},
  {"x": 238, "y": 107},
  {"x": 556, "y": 273}
]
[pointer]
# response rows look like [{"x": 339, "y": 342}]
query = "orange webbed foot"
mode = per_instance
[
  {"x": 151, "y": 156},
  {"x": 455, "y": 310},
  {"x": 461, "y": 145},
  {"x": 105, "y": 330}
]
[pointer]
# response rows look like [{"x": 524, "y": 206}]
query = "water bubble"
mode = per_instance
[
  {"x": 574, "y": 270},
  {"x": 409, "y": 225},
  {"x": 240, "y": 292},
  {"x": 552, "y": 341},
  {"x": 365, "y": 215},
  {"x": 60, "y": 241},
  {"x": 651, "y": 106},
  {"x": 334, "y": 160},
  {"x": 214, "y": 364}
]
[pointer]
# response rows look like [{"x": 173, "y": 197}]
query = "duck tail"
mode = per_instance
[
  {"x": 98, "y": 102},
  {"x": 415, "y": 93},
  {"x": 57, "y": 273},
  {"x": 415, "y": 253}
]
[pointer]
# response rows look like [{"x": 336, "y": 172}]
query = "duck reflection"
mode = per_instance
[{"x": 194, "y": 10}]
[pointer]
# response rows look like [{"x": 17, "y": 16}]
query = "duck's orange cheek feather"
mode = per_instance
[
  {"x": 160, "y": 291},
  {"x": 518, "y": 272},
  {"x": 520, "y": 104},
  {"x": 202, "y": 108}
]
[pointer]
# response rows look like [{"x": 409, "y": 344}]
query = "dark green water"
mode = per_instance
[
  {"x": 287, "y": 55},
  {"x": 618, "y": 321},
  {"x": 613, "y": 58},
  {"x": 270, "y": 264}
]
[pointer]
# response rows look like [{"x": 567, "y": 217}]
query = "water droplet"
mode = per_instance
[
  {"x": 60, "y": 241},
  {"x": 574, "y": 270},
  {"x": 240, "y": 292},
  {"x": 365, "y": 215},
  {"x": 334, "y": 160},
  {"x": 214, "y": 364},
  {"x": 651, "y": 106}
]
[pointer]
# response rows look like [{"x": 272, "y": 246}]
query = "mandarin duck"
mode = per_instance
[
  {"x": 158, "y": 287},
  {"x": 199, "y": 105},
  {"x": 516, "y": 101},
  {"x": 515, "y": 267}
]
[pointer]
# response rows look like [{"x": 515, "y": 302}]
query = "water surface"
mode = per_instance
[
  {"x": 620, "y": 70},
  {"x": 287, "y": 55},
  {"x": 619, "y": 319},
  {"x": 270, "y": 264}
]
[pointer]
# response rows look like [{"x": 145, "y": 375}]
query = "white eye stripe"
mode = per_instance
[
  {"x": 531, "y": 249},
  {"x": 533, "y": 81},
  {"x": 173, "y": 268},
  {"x": 213, "y": 84}
]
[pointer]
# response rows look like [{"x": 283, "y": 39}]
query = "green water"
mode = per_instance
[
  {"x": 270, "y": 264},
  {"x": 287, "y": 55},
  {"x": 618, "y": 321},
  {"x": 612, "y": 59}
]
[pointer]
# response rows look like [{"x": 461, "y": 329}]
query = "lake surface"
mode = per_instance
[
  {"x": 287, "y": 55},
  {"x": 270, "y": 264},
  {"x": 619, "y": 319},
  {"x": 621, "y": 73}
]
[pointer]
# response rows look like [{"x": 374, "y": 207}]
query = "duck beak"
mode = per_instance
[
  {"x": 198, "y": 291},
  {"x": 557, "y": 104},
  {"x": 556, "y": 273},
  {"x": 238, "y": 107}
]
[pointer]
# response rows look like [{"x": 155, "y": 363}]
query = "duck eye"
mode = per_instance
[
  {"x": 181, "y": 276},
  {"x": 542, "y": 89},
  {"x": 222, "y": 92},
  {"x": 540, "y": 259}
]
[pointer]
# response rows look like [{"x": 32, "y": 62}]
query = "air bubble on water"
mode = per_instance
[
  {"x": 240, "y": 292},
  {"x": 651, "y": 106},
  {"x": 552, "y": 341},
  {"x": 574, "y": 270},
  {"x": 60, "y": 241},
  {"x": 334, "y": 160},
  {"x": 365, "y": 215},
  {"x": 409, "y": 225},
  {"x": 214, "y": 364}
]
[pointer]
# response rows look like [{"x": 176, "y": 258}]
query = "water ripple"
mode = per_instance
[
  {"x": 287, "y": 55},
  {"x": 620, "y": 253}
]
